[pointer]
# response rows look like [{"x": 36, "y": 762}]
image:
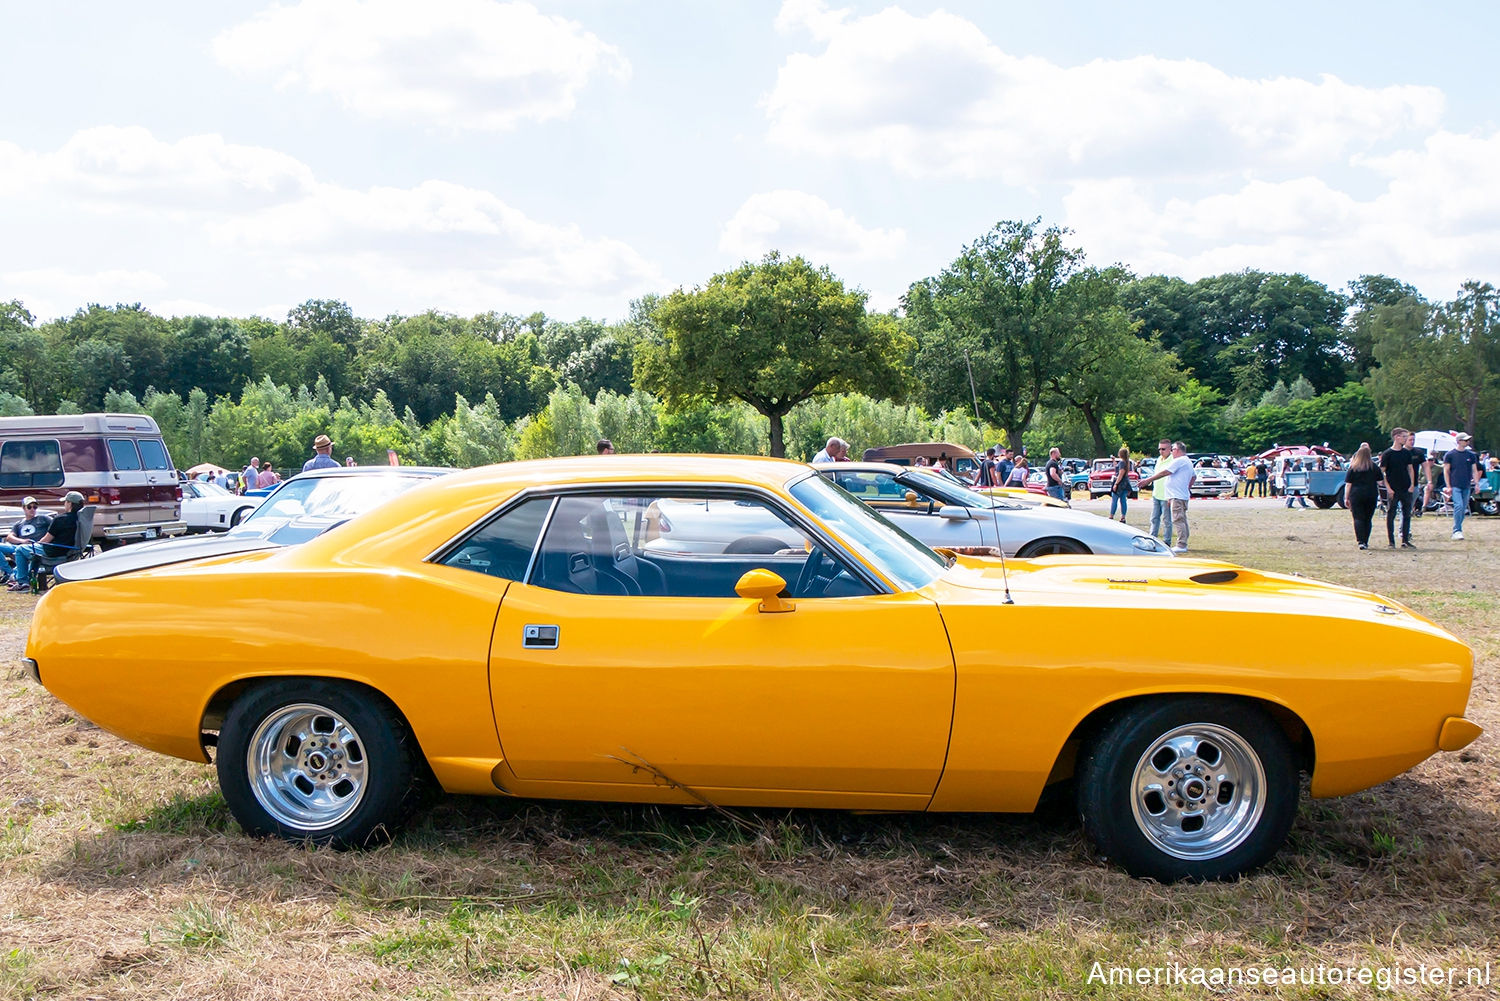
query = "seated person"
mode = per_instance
[
  {"x": 31, "y": 528},
  {"x": 58, "y": 541}
]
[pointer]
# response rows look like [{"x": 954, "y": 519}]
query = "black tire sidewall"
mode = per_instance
[
  {"x": 1107, "y": 769},
  {"x": 386, "y": 743}
]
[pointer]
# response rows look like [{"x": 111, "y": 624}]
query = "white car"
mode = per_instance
[
  {"x": 1212, "y": 480},
  {"x": 208, "y": 507}
]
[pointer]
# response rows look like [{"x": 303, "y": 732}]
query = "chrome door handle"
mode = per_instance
[{"x": 538, "y": 637}]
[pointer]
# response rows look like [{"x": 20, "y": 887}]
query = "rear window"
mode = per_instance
[
  {"x": 503, "y": 547},
  {"x": 26, "y": 464},
  {"x": 122, "y": 454},
  {"x": 154, "y": 454}
]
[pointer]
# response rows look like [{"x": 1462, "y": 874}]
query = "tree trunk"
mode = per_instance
[
  {"x": 1096, "y": 428},
  {"x": 778, "y": 444}
]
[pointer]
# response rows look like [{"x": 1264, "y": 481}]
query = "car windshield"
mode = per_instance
[
  {"x": 335, "y": 498},
  {"x": 211, "y": 489},
  {"x": 951, "y": 491},
  {"x": 900, "y": 558}
]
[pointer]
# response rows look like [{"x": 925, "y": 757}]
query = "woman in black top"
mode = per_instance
[
  {"x": 1361, "y": 492},
  {"x": 1119, "y": 487}
]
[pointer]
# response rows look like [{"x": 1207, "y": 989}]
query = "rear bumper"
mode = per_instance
[{"x": 143, "y": 530}]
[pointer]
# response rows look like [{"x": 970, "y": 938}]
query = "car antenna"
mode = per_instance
[{"x": 994, "y": 505}]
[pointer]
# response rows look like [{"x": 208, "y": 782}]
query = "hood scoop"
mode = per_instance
[{"x": 1215, "y": 577}]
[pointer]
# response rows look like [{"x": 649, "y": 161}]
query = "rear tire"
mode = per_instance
[
  {"x": 317, "y": 761},
  {"x": 1189, "y": 787}
]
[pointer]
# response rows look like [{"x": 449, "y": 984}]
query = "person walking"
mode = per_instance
[
  {"x": 1297, "y": 490},
  {"x": 1161, "y": 511},
  {"x": 250, "y": 476},
  {"x": 1178, "y": 473},
  {"x": 1459, "y": 464},
  {"x": 1362, "y": 493},
  {"x": 322, "y": 455},
  {"x": 1395, "y": 471},
  {"x": 1056, "y": 488},
  {"x": 1119, "y": 487}
]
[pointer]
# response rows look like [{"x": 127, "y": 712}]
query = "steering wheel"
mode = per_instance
[{"x": 811, "y": 576}]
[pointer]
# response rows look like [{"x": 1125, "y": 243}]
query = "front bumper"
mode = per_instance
[{"x": 33, "y": 671}]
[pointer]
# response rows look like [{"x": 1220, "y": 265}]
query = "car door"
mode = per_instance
[{"x": 625, "y": 660}]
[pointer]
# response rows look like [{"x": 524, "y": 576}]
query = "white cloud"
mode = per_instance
[
  {"x": 934, "y": 97},
  {"x": 193, "y": 238},
  {"x": 796, "y": 222},
  {"x": 1435, "y": 224},
  {"x": 465, "y": 64}
]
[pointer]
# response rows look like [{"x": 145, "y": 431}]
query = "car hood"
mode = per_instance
[{"x": 1162, "y": 583}]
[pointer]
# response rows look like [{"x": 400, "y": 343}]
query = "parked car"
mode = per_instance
[
  {"x": 951, "y": 516},
  {"x": 1211, "y": 478},
  {"x": 208, "y": 507},
  {"x": 119, "y": 462},
  {"x": 1102, "y": 478},
  {"x": 506, "y": 630},
  {"x": 301, "y": 508}
]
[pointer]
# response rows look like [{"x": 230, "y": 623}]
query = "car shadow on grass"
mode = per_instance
[{"x": 1353, "y": 868}]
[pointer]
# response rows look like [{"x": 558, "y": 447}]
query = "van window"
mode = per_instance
[
  {"x": 122, "y": 454},
  {"x": 153, "y": 454},
  {"x": 26, "y": 464}
]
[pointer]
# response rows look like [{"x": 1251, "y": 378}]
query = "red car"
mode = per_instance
[{"x": 1102, "y": 477}]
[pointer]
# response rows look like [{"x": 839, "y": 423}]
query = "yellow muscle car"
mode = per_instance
[{"x": 609, "y": 628}]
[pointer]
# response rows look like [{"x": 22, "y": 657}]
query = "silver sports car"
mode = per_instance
[{"x": 940, "y": 512}]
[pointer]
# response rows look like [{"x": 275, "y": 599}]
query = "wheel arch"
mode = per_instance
[
  {"x": 218, "y": 705},
  {"x": 1088, "y": 729},
  {"x": 1030, "y": 548}
]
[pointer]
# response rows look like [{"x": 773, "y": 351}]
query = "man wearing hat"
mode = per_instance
[
  {"x": 323, "y": 446},
  {"x": 58, "y": 541},
  {"x": 1459, "y": 463},
  {"x": 32, "y": 527}
]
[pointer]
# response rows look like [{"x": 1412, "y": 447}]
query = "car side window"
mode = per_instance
[
  {"x": 682, "y": 546},
  {"x": 25, "y": 464},
  {"x": 503, "y": 546},
  {"x": 153, "y": 454}
]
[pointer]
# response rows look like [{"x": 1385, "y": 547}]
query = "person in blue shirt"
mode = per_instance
[
  {"x": 322, "y": 457},
  {"x": 1459, "y": 465}
]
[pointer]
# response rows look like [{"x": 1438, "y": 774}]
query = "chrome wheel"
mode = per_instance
[
  {"x": 1198, "y": 791},
  {"x": 307, "y": 767}
]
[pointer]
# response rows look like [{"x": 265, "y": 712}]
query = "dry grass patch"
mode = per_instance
[{"x": 122, "y": 875}]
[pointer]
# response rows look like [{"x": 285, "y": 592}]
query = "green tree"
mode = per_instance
[
  {"x": 771, "y": 334},
  {"x": 1439, "y": 365},
  {"x": 998, "y": 305}
]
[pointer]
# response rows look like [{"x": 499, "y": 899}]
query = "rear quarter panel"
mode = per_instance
[{"x": 142, "y": 654}]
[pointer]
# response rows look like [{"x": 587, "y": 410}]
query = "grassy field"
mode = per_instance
[{"x": 122, "y": 875}]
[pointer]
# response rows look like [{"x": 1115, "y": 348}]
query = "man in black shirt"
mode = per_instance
[
  {"x": 61, "y": 537},
  {"x": 31, "y": 528},
  {"x": 1396, "y": 470}
]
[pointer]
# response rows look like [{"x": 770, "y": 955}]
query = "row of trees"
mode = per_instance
[{"x": 776, "y": 355}]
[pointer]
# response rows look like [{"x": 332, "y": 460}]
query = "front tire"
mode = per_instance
[
  {"x": 239, "y": 516},
  {"x": 317, "y": 761},
  {"x": 1197, "y": 788}
]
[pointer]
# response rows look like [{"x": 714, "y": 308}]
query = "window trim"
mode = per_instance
[{"x": 877, "y": 584}]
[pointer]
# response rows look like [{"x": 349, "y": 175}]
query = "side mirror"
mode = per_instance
[
  {"x": 766, "y": 587},
  {"x": 911, "y": 498},
  {"x": 954, "y": 512}
]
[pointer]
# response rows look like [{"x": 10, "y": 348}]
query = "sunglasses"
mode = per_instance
[{"x": 30, "y": 507}]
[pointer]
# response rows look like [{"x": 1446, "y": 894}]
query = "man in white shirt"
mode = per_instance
[
  {"x": 837, "y": 450},
  {"x": 1178, "y": 473}
]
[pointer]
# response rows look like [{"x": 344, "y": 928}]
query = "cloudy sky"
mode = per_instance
[{"x": 238, "y": 157}]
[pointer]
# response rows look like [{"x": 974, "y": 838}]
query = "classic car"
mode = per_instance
[
  {"x": 1212, "y": 479},
  {"x": 304, "y": 507},
  {"x": 208, "y": 507},
  {"x": 1102, "y": 478},
  {"x": 509, "y": 630},
  {"x": 943, "y": 514}
]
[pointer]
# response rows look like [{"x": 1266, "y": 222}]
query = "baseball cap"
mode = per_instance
[
  {"x": 28, "y": 502},
  {"x": 1461, "y": 436}
]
